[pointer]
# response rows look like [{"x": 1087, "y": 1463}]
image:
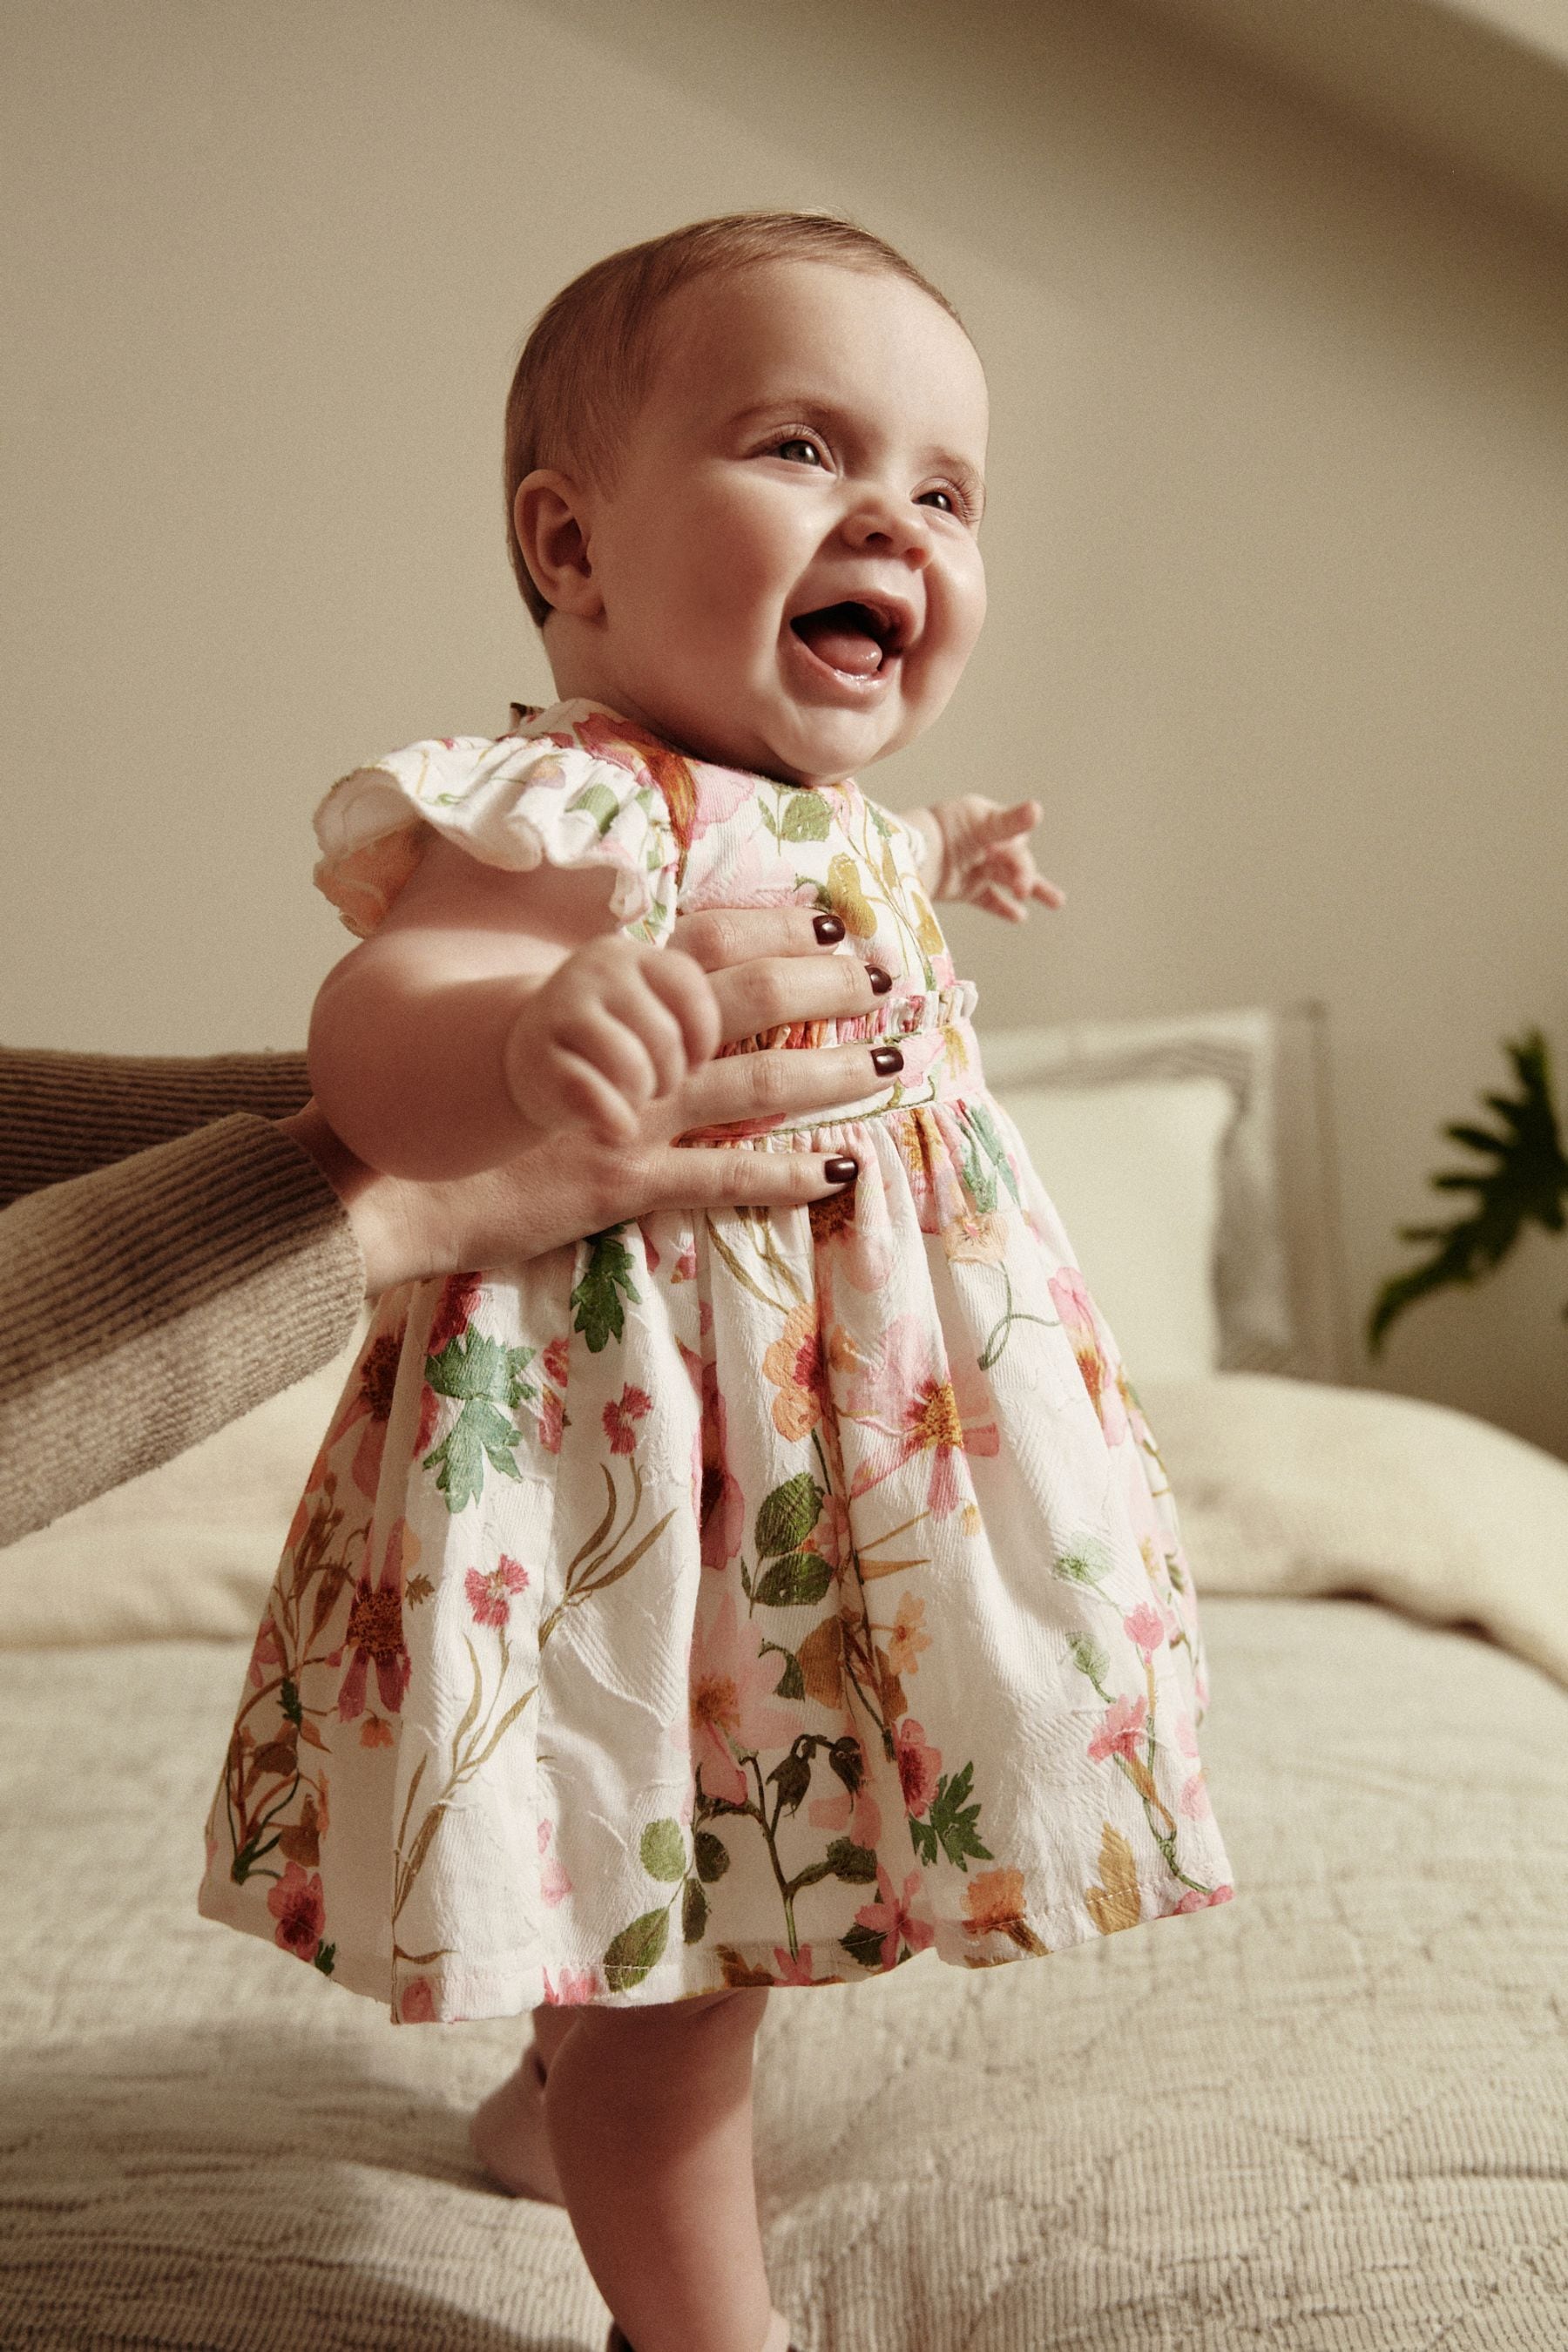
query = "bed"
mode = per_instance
[{"x": 1330, "y": 2114}]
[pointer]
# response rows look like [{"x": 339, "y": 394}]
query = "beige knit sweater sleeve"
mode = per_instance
[{"x": 168, "y": 1258}]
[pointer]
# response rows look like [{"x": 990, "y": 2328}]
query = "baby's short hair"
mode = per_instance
[{"x": 586, "y": 365}]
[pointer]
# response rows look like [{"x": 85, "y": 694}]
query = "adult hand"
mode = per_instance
[{"x": 770, "y": 967}]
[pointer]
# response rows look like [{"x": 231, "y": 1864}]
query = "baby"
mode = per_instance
[{"x": 589, "y": 1679}]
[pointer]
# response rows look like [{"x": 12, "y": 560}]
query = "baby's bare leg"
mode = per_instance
[
  {"x": 552, "y": 2022},
  {"x": 649, "y": 2114}
]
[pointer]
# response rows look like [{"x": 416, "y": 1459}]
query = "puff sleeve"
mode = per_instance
[{"x": 517, "y": 803}]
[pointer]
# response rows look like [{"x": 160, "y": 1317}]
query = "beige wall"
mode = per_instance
[{"x": 1278, "y": 543}]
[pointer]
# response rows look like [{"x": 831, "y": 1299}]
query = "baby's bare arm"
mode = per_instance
[{"x": 490, "y": 1006}]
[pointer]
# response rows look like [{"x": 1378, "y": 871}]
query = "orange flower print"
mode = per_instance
[
  {"x": 905, "y": 1395},
  {"x": 973, "y": 1239},
  {"x": 893, "y": 1918},
  {"x": 489, "y": 1591},
  {"x": 265, "y": 1652},
  {"x": 375, "y": 1732},
  {"x": 909, "y": 1636},
  {"x": 794, "y": 1364},
  {"x": 417, "y": 2002},
  {"x": 920, "y": 1766},
  {"x": 621, "y": 1417},
  {"x": 299, "y": 1907},
  {"x": 1076, "y": 1310},
  {"x": 1121, "y": 1730},
  {"x": 551, "y": 1420},
  {"x": 994, "y": 1899},
  {"x": 375, "y": 1634},
  {"x": 732, "y": 1685}
]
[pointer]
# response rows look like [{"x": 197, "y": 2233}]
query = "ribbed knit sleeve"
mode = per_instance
[
  {"x": 145, "y": 1303},
  {"x": 61, "y": 1114}
]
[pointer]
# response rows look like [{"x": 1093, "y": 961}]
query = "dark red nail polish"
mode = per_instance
[
  {"x": 886, "y": 1059},
  {"x": 830, "y": 928},
  {"x": 880, "y": 981},
  {"x": 842, "y": 1171}
]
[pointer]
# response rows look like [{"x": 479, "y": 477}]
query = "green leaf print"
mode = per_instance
[
  {"x": 863, "y": 1945},
  {"x": 471, "y": 1367},
  {"x": 288, "y": 1700},
  {"x": 792, "y": 1582},
  {"x": 846, "y": 1760},
  {"x": 952, "y": 1823},
  {"x": 985, "y": 1127},
  {"x": 479, "y": 1434},
  {"x": 664, "y": 1851},
  {"x": 856, "y": 1864},
  {"x": 485, "y": 1378},
  {"x": 693, "y": 1912},
  {"x": 1087, "y": 1562},
  {"x": 712, "y": 1856},
  {"x": 636, "y": 1950},
  {"x": 788, "y": 1515},
  {"x": 597, "y": 801},
  {"x": 597, "y": 1297},
  {"x": 326, "y": 1957},
  {"x": 1089, "y": 1659},
  {"x": 790, "y": 1683},
  {"x": 805, "y": 818}
]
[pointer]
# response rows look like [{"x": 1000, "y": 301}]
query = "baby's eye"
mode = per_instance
[
  {"x": 795, "y": 445},
  {"x": 949, "y": 503}
]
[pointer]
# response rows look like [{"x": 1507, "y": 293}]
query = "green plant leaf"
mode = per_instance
[
  {"x": 636, "y": 1950},
  {"x": 805, "y": 818},
  {"x": 793, "y": 1582},
  {"x": 1528, "y": 1184},
  {"x": 863, "y": 1945},
  {"x": 664, "y": 1851},
  {"x": 788, "y": 1515},
  {"x": 693, "y": 1912},
  {"x": 711, "y": 1854}
]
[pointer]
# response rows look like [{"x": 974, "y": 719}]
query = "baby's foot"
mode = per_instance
[{"x": 508, "y": 2134}]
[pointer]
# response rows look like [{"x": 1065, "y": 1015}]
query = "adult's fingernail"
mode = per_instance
[
  {"x": 830, "y": 928},
  {"x": 886, "y": 1059},
  {"x": 880, "y": 981},
  {"x": 842, "y": 1171}
]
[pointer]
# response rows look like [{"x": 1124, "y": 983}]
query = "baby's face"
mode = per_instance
[{"x": 788, "y": 561}]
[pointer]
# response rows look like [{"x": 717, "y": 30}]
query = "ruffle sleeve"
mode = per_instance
[{"x": 517, "y": 803}]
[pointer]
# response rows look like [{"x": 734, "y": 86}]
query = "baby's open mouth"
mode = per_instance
[{"x": 853, "y": 637}]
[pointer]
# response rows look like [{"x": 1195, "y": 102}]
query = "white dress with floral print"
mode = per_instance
[{"x": 730, "y": 1598}]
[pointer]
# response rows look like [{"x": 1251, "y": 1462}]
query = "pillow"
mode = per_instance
[
  {"x": 1134, "y": 1172},
  {"x": 184, "y": 1551},
  {"x": 1279, "y": 1263},
  {"x": 1289, "y": 1487}
]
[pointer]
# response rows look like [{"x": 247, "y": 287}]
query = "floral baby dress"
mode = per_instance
[{"x": 738, "y": 1597}]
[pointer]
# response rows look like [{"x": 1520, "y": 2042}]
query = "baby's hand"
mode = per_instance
[
  {"x": 616, "y": 1027},
  {"x": 986, "y": 859}
]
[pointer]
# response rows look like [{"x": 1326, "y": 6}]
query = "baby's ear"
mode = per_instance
[{"x": 548, "y": 516}]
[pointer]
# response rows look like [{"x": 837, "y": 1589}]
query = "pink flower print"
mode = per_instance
[
  {"x": 1195, "y": 1899},
  {"x": 375, "y": 1634},
  {"x": 1194, "y": 1800},
  {"x": 907, "y": 1396},
  {"x": 920, "y": 1766},
  {"x": 370, "y": 1401},
  {"x": 490, "y": 1590},
  {"x": 1079, "y": 1321},
  {"x": 892, "y": 1918},
  {"x": 796, "y": 1970},
  {"x": 622, "y": 1417},
  {"x": 731, "y": 1700},
  {"x": 454, "y": 1310},
  {"x": 1119, "y": 1732},
  {"x": 573, "y": 1987},
  {"x": 299, "y": 1907},
  {"x": 557, "y": 1359},
  {"x": 417, "y": 2002},
  {"x": 684, "y": 1266},
  {"x": 1186, "y": 1737},
  {"x": 553, "y": 1883},
  {"x": 721, "y": 1506},
  {"x": 551, "y": 1420},
  {"x": 266, "y": 1651},
  {"x": 1145, "y": 1627}
]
